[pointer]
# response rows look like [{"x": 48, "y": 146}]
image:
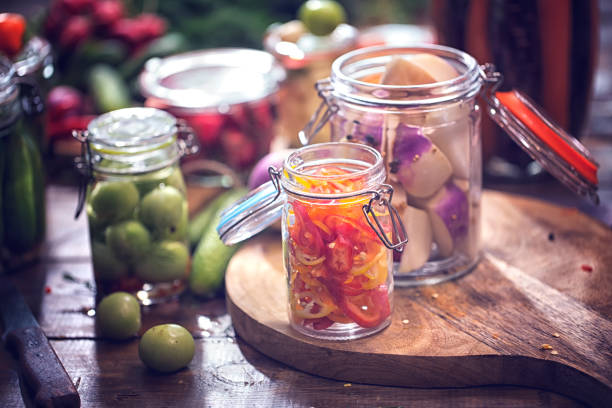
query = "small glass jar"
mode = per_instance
[
  {"x": 22, "y": 178},
  {"x": 429, "y": 135},
  {"x": 136, "y": 202},
  {"x": 337, "y": 227}
]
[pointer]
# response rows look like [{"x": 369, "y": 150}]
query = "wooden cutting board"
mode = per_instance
[{"x": 545, "y": 278}]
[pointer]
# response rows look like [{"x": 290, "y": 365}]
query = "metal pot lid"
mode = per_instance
[
  {"x": 211, "y": 78},
  {"x": 555, "y": 150}
]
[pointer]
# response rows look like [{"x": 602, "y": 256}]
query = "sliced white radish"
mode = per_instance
[
  {"x": 454, "y": 141},
  {"x": 449, "y": 214},
  {"x": 417, "y": 69},
  {"x": 416, "y": 163},
  {"x": 417, "y": 250}
]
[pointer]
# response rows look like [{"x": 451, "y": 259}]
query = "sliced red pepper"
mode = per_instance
[
  {"x": 369, "y": 309},
  {"x": 321, "y": 323},
  {"x": 305, "y": 233},
  {"x": 339, "y": 256}
]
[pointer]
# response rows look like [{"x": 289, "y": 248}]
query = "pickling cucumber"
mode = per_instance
[
  {"x": 108, "y": 89},
  {"x": 211, "y": 256}
]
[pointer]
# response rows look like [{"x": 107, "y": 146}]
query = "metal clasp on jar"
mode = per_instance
[{"x": 324, "y": 112}]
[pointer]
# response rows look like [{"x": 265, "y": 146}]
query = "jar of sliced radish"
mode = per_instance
[
  {"x": 339, "y": 228},
  {"x": 418, "y": 107}
]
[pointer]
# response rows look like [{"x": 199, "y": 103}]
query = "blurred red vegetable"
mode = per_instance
[
  {"x": 12, "y": 27},
  {"x": 107, "y": 12},
  {"x": 64, "y": 101},
  {"x": 240, "y": 151},
  {"x": 76, "y": 30},
  {"x": 75, "y": 6}
]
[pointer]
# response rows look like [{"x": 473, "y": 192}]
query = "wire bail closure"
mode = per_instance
[
  {"x": 186, "y": 138},
  {"x": 84, "y": 165},
  {"x": 320, "y": 117},
  {"x": 399, "y": 231}
]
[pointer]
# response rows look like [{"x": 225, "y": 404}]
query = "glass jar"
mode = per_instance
[
  {"x": 429, "y": 136},
  {"x": 34, "y": 66},
  {"x": 136, "y": 202},
  {"x": 337, "y": 227},
  {"x": 22, "y": 187},
  {"x": 228, "y": 96},
  {"x": 306, "y": 59}
]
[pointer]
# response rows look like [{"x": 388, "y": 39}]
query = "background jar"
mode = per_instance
[
  {"x": 429, "y": 136},
  {"x": 228, "y": 96},
  {"x": 136, "y": 202},
  {"x": 22, "y": 181}
]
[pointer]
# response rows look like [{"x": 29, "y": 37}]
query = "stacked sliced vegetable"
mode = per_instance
[{"x": 338, "y": 267}]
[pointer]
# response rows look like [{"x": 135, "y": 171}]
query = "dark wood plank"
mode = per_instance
[
  {"x": 486, "y": 328},
  {"x": 229, "y": 373}
]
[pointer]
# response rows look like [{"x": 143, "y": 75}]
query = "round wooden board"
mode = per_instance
[{"x": 486, "y": 328}]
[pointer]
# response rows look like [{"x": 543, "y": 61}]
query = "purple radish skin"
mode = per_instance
[
  {"x": 449, "y": 214},
  {"x": 260, "y": 174},
  {"x": 417, "y": 164}
]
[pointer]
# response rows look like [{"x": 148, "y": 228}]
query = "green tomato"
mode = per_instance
[
  {"x": 129, "y": 240},
  {"x": 176, "y": 180},
  {"x": 118, "y": 316},
  {"x": 321, "y": 17},
  {"x": 166, "y": 262},
  {"x": 106, "y": 265},
  {"x": 162, "y": 211},
  {"x": 166, "y": 348},
  {"x": 96, "y": 226},
  {"x": 114, "y": 201}
]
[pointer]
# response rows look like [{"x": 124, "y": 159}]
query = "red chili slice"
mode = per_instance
[
  {"x": 369, "y": 309},
  {"x": 305, "y": 233},
  {"x": 321, "y": 323},
  {"x": 339, "y": 255}
]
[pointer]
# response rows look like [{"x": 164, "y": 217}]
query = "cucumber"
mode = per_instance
[
  {"x": 211, "y": 257},
  {"x": 38, "y": 182},
  {"x": 170, "y": 43},
  {"x": 108, "y": 89},
  {"x": 200, "y": 222},
  {"x": 19, "y": 207}
]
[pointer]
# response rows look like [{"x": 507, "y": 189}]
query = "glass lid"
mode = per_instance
[
  {"x": 555, "y": 150},
  {"x": 211, "y": 78},
  {"x": 131, "y": 130},
  {"x": 251, "y": 214}
]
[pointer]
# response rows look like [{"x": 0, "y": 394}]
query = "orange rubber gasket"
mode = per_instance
[{"x": 584, "y": 166}]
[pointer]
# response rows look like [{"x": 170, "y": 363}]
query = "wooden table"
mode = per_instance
[{"x": 225, "y": 371}]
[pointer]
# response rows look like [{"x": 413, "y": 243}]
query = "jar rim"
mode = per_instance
[
  {"x": 291, "y": 170},
  {"x": 132, "y": 130},
  {"x": 466, "y": 84},
  {"x": 248, "y": 75}
]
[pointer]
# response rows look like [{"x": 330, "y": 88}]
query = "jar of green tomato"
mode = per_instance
[
  {"x": 136, "y": 202},
  {"x": 22, "y": 190}
]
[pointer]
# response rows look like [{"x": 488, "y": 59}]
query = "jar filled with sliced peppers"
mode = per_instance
[{"x": 338, "y": 229}]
